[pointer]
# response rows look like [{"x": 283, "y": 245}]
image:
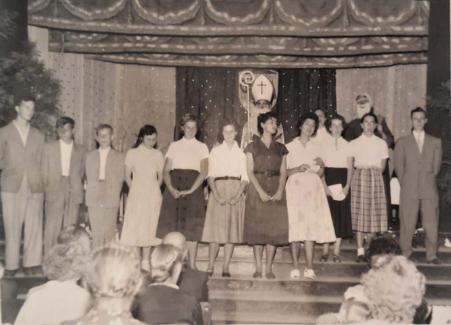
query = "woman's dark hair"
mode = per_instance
[
  {"x": 338, "y": 117},
  {"x": 225, "y": 123},
  {"x": 262, "y": 118},
  {"x": 368, "y": 114},
  {"x": 308, "y": 116},
  {"x": 145, "y": 130},
  {"x": 383, "y": 244}
]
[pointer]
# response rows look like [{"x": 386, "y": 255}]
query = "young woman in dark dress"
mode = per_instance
[
  {"x": 185, "y": 169},
  {"x": 266, "y": 218}
]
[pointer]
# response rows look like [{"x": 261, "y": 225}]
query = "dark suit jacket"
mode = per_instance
[
  {"x": 161, "y": 304},
  {"x": 107, "y": 193},
  {"x": 417, "y": 171},
  {"x": 52, "y": 171},
  {"x": 16, "y": 160},
  {"x": 194, "y": 282}
]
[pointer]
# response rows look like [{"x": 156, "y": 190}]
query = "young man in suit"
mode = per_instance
[
  {"x": 63, "y": 170},
  {"x": 21, "y": 148},
  {"x": 418, "y": 158},
  {"x": 105, "y": 171}
]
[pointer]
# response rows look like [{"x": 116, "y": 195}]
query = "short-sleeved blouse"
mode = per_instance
[
  {"x": 187, "y": 153},
  {"x": 144, "y": 162},
  {"x": 225, "y": 161},
  {"x": 300, "y": 154},
  {"x": 266, "y": 158},
  {"x": 368, "y": 151},
  {"x": 335, "y": 152}
]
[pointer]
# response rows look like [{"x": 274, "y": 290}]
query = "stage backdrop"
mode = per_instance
[{"x": 212, "y": 95}]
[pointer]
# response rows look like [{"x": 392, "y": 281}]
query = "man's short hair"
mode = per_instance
[
  {"x": 103, "y": 126},
  {"x": 23, "y": 97},
  {"x": 63, "y": 120},
  {"x": 418, "y": 110}
]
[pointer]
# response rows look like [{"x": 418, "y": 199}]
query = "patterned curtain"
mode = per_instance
[{"x": 212, "y": 95}]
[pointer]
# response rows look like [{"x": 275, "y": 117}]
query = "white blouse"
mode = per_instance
[
  {"x": 299, "y": 154},
  {"x": 368, "y": 151},
  {"x": 187, "y": 154},
  {"x": 335, "y": 152},
  {"x": 225, "y": 161}
]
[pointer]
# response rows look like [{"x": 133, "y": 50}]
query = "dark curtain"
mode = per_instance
[{"x": 212, "y": 95}]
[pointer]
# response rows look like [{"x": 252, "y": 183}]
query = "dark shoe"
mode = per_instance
[
  {"x": 336, "y": 258},
  {"x": 32, "y": 271},
  {"x": 435, "y": 261},
  {"x": 226, "y": 275},
  {"x": 257, "y": 275},
  {"x": 10, "y": 273},
  {"x": 324, "y": 258},
  {"x": 361, "y": 259},
  {"x": 270, "y": 276}
]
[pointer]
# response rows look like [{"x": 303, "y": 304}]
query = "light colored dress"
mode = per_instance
[
  {"x": 309, "y": 217},
  {"x": 144, "y": 201}
]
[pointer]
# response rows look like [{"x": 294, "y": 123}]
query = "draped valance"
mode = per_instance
[{"x": 239, "y": 33}]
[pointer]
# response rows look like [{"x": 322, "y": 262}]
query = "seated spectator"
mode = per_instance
[
  {"x": 162, "y": 302},
  {"x": 60, "y": 299},
  {"x": 356, "y": 306},
  {"x": 193, "y": 282},
  {"x": 113, "y": 277}
]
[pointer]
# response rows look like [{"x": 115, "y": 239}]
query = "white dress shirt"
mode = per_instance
[
  {"x": 103, "y": 157},
  {"x": 368, "y": 152},
  {"x": 335, "y": 152},
  {"x": 187, "y": 154},
  {"x": 66, "y": 153},
  {"x": 419, "y": 137},
  {"x": 23, "y": 133},
  {"x": 225, "y": 161}
]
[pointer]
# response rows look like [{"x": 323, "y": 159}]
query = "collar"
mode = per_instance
[
  {"x": 62, "y": 143},
  {"x": 225, "y": 145},
  {"x": 189, "y": 140},
  {"x": 170, "y": 285},
  {"x": 421, "y": 133},
  {"x": 104, "y": 150},
  {"x": 19, "y": 128}
]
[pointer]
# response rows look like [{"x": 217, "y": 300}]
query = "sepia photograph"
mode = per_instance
[{"x": 213, "y": 162}]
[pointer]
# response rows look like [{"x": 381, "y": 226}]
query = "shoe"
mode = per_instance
[
  {"x": 295, "y": 274},
  {"x": 435, "y": 261},
  {"x": 257, "y": 275},
  {"x": 10, "y": 273},
  {"x": 309, "y": 274},
  {"x": 324, "y": 258},
  {"x": 361, "y": 259},
  {"x": 336, "y": 258},
  {"x": 226, "y": 275},
  {"x": 270, "y": 276},
  {"x": 447, "y": 243},
  {"x": 32, "y": 271}
]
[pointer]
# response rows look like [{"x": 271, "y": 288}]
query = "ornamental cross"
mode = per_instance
[{"x": 261, "y": 85}]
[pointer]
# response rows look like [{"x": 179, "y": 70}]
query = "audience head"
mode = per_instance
[
  {"x": 335, "y": 125},
  {"x": 368, "y": 123},
  {"x": 147, "y": 137},
  {"x": 177, "y": 240},
  {"x": 363, "y": 104},
  {"x": 65, "y": 128},
  {"x": 267, "y": 122},
  {"x": 381, "y": 245},
  {"x": 189, "y": 124},
  {"x": 104, "y": 135},
  {"x": 419, "y": 118},
  {"x": 395, "y": 288},
  {"x": 165, "y": 264},
  {"x": 114, "y": 271},
  {"x": 321, "y": 116},
  {"x": 68, "y": 259},
  {"x": 228, "y": 131},
  {"x": 308, "y": 124},
  {"x": 24, "y": 105}
]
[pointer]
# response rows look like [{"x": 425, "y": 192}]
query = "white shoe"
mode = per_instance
[
  {"x": 309, "y": 274},
  {"x": 447, "y": 243},
  {"x": 145, "y": 265},
  {"x": 295, "y": 274}
]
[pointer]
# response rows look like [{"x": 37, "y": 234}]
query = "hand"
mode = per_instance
[
  {"x": 278, "y": 196},
  {"x": 186, "y": 192},
  {"x": 264, "y": 196},
  {"x": 303, "y": 168},
  {"x": 346, "y": 190},
  {"x": 234, "y": 200},
  {"x": 175, "y": 193},
  {"x": 319, "y": 161},
  {"x": 219, "y": 198},
  {"x": 328, "y": 191}
]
